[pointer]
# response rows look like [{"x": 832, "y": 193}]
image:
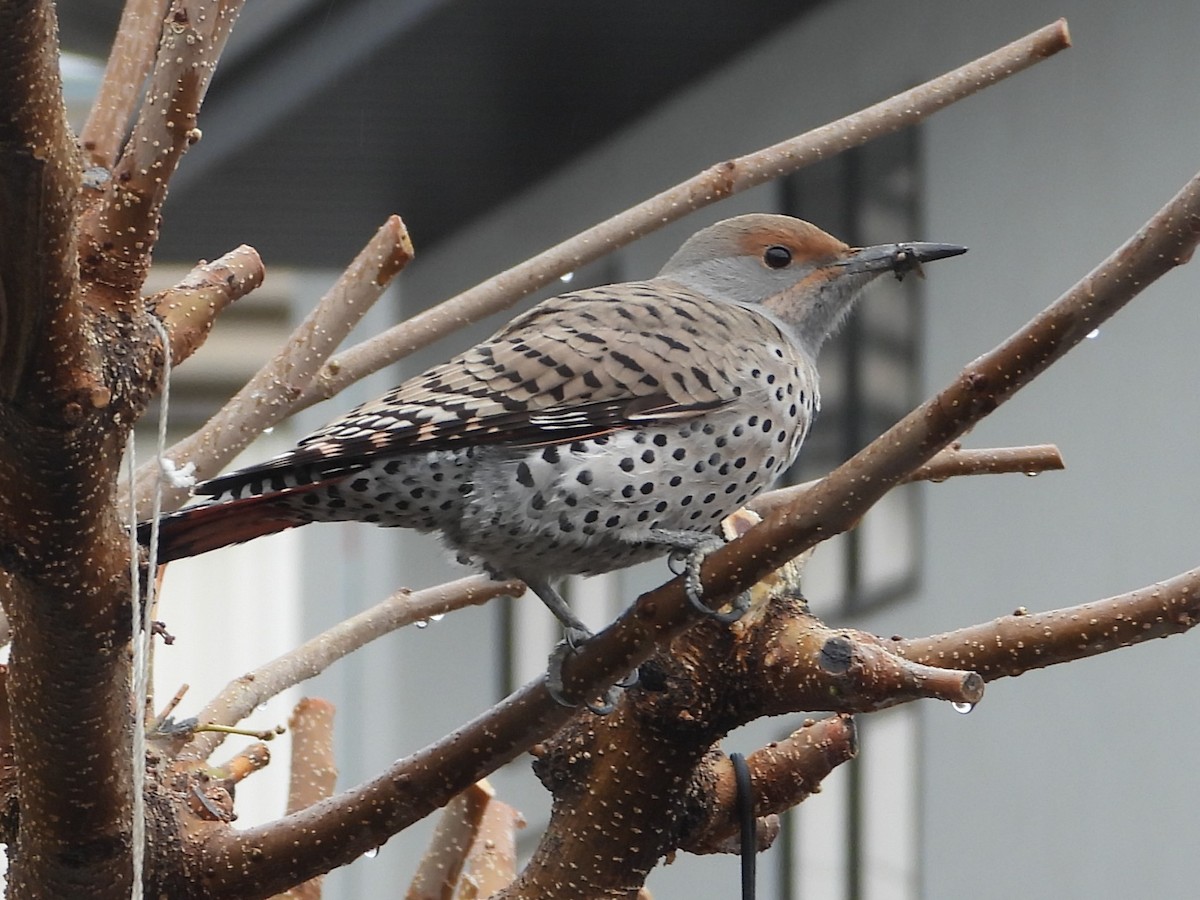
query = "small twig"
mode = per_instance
[
  {"x": 263, "y": 734},
  {"x": 949, "y": 463},
  {"x": 128, "y": 64},
  {"x": 243, "y": 695},
  {"x": 713, "y": 184},
  {"x": 269, "y": 396},
  {"x": 157, "y": 722}
]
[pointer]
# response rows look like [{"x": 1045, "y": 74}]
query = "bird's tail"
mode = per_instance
[{"x": 197, "y": 529}]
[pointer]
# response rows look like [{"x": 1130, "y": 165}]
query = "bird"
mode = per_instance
[{"x": 601, "y": 428}]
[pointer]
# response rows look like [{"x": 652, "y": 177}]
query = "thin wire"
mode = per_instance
[
  {"x": 140, "y": 614},
  {"x": 744, "y": 806}
]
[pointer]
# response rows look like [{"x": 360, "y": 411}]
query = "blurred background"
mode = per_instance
[{"x": 496, "y": 130}]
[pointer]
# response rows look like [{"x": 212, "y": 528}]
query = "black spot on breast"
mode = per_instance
[
  {"x": 524, "y": 476},
  {"x": 584, "y": 476}
]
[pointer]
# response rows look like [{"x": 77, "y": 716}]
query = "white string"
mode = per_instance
[{"x": 140, "y": 613}]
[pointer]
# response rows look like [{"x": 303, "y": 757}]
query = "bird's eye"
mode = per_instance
[{"x": 777, "y": 257}]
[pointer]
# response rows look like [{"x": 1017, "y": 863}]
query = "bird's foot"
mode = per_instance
[
  {"x": 573, "y": 639},
  {"x": 576, "y": 634},
  {"x": 689, "y": 553}
]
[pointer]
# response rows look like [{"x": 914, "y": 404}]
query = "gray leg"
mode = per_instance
[
  {"x": 575, "y": 634},
  {"x": 695, "y": 546}
]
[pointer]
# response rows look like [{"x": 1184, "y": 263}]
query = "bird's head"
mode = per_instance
[{"x": 805, "y": 278}]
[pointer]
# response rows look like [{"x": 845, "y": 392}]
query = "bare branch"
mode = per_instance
[
  {"x": 189, "y": 309},
  {"x": 128, "y": 63},
  {"x": 1014, "y": 644},
  {"x": 245, "y": 694},
  {"x": 949, "y": 463},
  {"x": 713, "y": 184},
  {"x": 269, "y": 396},
  {"x": 473, "y": 851},
  {"x": 118, "y": 233},
  {"x": 314, "y": 771}
]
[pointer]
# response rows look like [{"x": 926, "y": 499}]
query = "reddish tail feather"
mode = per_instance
[{"x": 198, "y": 529}]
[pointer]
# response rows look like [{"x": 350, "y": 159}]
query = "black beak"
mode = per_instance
[{"x": 899, "y": 259}]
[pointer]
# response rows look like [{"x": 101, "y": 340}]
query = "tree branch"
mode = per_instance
[
  {"x": 118, "y": 232},
  {"x": 713, "y": 184},
  {"x": 314, "y": 771},
  {"x": 270, "y": 395},
  {"x": 245, "y": 694},
  {"x": 473, "y": 851},
  {"x": 1011, "y": 645},
  {"x": 128, "y": 64},
  {"x": 951, "y": 462}
]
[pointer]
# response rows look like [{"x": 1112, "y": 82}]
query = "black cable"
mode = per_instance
[{"x": 744, "y": 805}]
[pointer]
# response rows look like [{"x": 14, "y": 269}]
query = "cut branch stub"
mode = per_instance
[{"x": 189, "y": 309}]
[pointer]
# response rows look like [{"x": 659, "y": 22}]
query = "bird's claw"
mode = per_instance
[
  {"x": 694, "y": 589},
  {"x": 572, "y": 640}
]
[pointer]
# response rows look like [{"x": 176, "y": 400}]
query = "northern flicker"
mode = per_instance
[{"x": 599, "y": 429}]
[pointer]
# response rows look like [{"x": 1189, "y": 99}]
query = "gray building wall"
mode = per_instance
[{"x": 1072, "y": 782}]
